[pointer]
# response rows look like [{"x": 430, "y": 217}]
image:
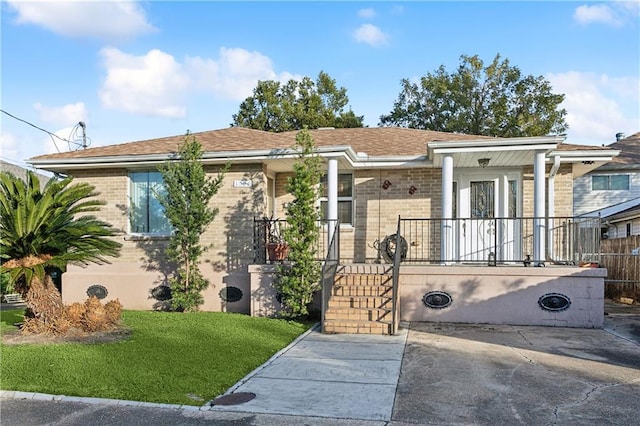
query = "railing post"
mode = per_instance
[{"x": 397, "y": 258}]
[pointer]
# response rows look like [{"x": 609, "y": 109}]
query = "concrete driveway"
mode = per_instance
[
  {"x": 431, "y": 374},
  {"x": 463, "y": 374}
]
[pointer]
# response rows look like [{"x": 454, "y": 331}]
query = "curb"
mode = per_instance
[{"x": 36, "y": 396}]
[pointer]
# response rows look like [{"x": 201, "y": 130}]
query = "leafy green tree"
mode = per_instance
[
  {"x": 492, "y": 100},
  {"x": 186, "y": 198},
  {"x": 276, "y": 107},
  {"x": 297, "y": 279},
  {"x": 47, "y": 229}
]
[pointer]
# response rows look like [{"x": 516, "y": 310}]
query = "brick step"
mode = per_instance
[
  {"x": 361, "y": 302},
  {"x": 356, "y": 327},
  {"x": 363, "y": 279},
  {"x": 365, "y": 268},
  {"x": 358, "y": 314},
  {"x": 358, "y": 290}
]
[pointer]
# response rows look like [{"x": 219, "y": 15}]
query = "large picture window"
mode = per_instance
[
  {"x": 345, "y": 198},
  {"x": 146, "y": 213},
  {"x": 609, "y": 182}
]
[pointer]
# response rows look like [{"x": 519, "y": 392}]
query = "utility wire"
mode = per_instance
[
  {"x": 51, "y": 134},
  {"x": 33, "y": 125}
]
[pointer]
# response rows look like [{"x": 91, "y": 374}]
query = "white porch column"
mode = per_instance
[
  {"x": 332, "y": 196},
  {"x": 551, "y": 204},
  {"x": 446, "y": 242},
  {"x": 538, "y": 207}
]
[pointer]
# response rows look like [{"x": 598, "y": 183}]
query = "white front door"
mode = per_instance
[{"x": 487, "y": 211}]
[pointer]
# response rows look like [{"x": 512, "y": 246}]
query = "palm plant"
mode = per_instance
[{"x": 46, "y": 228}]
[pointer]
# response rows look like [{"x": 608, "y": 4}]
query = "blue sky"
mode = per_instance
[{"x": 140, "y": 70}]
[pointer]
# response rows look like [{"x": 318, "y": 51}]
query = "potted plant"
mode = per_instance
[{"x": 277, "y": 247}]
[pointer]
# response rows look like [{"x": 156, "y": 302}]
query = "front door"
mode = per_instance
[{"x": 488, "y": 225}]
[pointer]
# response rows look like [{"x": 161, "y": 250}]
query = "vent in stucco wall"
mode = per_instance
[
  {"x": 554, "y": 302},
  {"x": 437, "y": 300},
  {"x": 231, "y": 294},
  {"x": 98, "y": 291}
]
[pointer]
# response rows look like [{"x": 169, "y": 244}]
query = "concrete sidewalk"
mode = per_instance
[{"x": 328, "y": 375}]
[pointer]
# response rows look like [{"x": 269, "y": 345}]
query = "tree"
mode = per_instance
[
  {"x": 299, "y": 278},
  {"x": 496, "y": 100},
  {"x": 292, "y": 106},
  {"x": 46, "y": 229},
  {"x": 186, "y": 198}
]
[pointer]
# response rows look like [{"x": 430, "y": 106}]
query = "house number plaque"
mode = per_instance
[{"x": 242, "y": 184}]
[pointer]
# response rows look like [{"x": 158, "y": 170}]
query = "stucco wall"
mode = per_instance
[{"x": 504, "y": 295}]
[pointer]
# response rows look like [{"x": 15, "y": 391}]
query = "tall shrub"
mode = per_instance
[
  {"x": 186, "y": 198},
  {"x": 297, "y": 279}
]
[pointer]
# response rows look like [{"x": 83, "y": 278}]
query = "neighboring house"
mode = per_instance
[
  {"x": 619, "y": 220},
  {"x": 613, "y": 183},
  {"x": 472, "y": 199},
  {"x": 21, "y": 172}
]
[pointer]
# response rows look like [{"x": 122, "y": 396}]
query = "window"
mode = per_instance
[
  {"x": 345, "y": 198},
  {"x": 513, "y": 199},
  {"x": 609, "y": 182},
  {"x": 482, "y": 199},
  {"x": 147, "y": 215}
]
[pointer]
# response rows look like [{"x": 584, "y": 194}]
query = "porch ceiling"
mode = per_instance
[{"x": 496, "y": 159}]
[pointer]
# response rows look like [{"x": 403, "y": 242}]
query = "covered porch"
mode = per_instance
[
  {"x": 487, "y": 248},
  {"x": 496, "y": 283}
]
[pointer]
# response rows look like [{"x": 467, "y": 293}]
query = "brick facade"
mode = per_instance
[{"x": 412, "y": 193}]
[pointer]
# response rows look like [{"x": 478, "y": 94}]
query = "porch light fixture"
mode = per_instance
[{"x": 484, "y": 162}]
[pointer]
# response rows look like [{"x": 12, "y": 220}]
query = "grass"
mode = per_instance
[{"x": 169, "y": 357}]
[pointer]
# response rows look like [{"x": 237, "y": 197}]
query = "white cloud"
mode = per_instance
[
  {"x": 152, "y": 84},
  {"x": 371, "y": 35},
  {"x": 159, "y": 85},
  {"x": 234, "y": 74},
  {"x": 614, "y": 13},
  {"x": 9, "y": 146},
  {"x": 65, "y": 115},
  {"x": 367, "y": 13},
  {"x": 598, "y": 106},
  {"x": 101, "y": 19}
]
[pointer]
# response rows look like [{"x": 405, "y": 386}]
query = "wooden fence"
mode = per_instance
[{"x": 621, "y": 257}]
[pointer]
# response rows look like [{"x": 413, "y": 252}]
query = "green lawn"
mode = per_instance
[{"x": 169, "y": 358}]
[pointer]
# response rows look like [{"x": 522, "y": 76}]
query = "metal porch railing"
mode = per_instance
[
  {"x": 329, "y": 269},
  {"x": 568, "y": 240},
  {"x": 266, "y": 230}
]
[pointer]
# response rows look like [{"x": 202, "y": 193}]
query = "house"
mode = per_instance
[
  {"x": 613, "y": 183},
  {"x": 465, "y": 201},
  {"x": 619, "y": 220},
  {"x": 21, "y": 172}
]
